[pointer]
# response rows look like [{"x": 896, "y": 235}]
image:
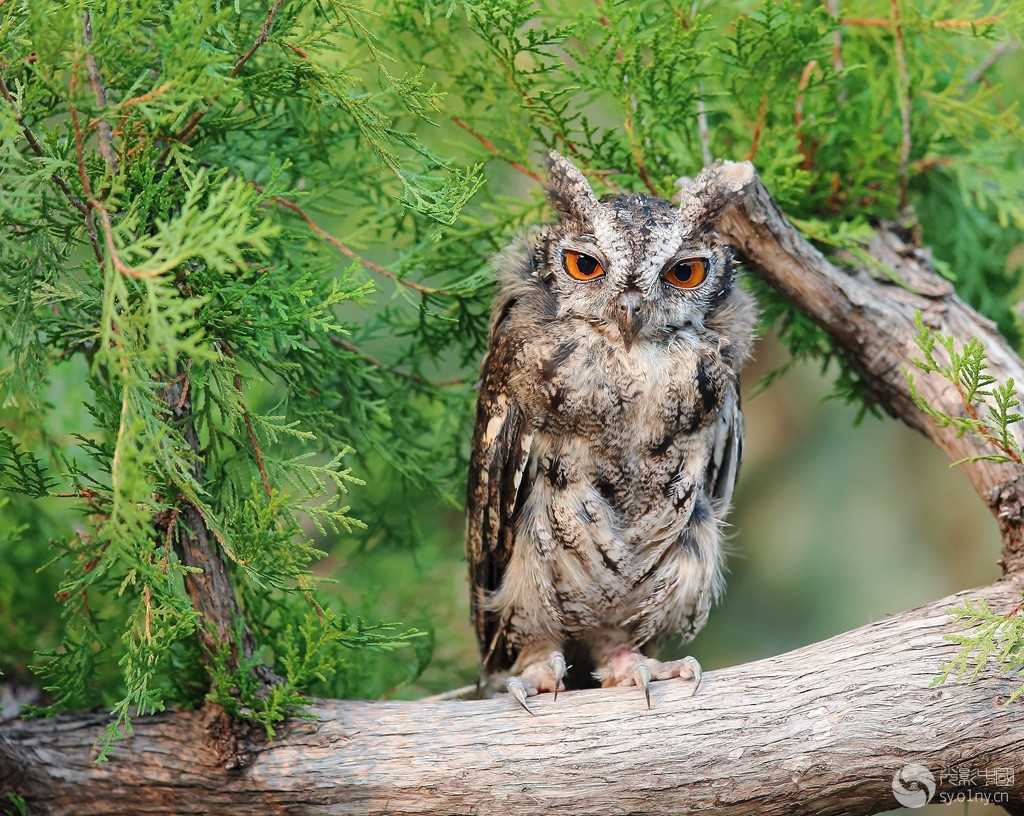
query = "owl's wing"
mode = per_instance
[
  {"x": 501, "y": 453},
  {"x": 727, "y": 454}
]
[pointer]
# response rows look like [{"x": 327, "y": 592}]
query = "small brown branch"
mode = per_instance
[
  {"x": 923, "y": 165},
  {"x": 341, "y": 342},
  {"x": 135, "y": 100},
  {"x": 993, "y": 56},
  {"x": 889, "y": 23},
  {"x": 90, "y": 221},
  {"x": 344, "y": 250},
  {"x": 257, "y": 452},
  {"x": 638, "y": 155},
  {"x": 903, "y": 91},
  {"x": 115, "y": 259},
  {"x": 837, "y": 42},
  {"x": 702, "y": 128},
  {"x": 192, "y": 124},
  {"x": 758, "y": 125},
  {"x": 490, "y": 146},
  {"x": 703, "y": 134},
  {"x": 148, "y": 600},
  {"x": 260, "y": 39},
  {"x": 37, "y": 148},
  {"x": 798, "y": 114},
  {"x": 96, "y": 83}
]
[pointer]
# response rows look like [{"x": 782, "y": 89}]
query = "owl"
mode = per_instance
[{"x": 607, "y": 441}]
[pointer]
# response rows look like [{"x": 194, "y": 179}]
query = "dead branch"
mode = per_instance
[
  {"x": 871, "y": 319},
  {"x": 820, "y": 730}
]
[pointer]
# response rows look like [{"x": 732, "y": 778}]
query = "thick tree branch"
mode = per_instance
[
  {"x": 820, "y": 730},
  {"x": 871, "y": 318}
]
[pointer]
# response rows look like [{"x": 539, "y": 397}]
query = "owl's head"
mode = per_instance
[{"x": 635, "y": 267}]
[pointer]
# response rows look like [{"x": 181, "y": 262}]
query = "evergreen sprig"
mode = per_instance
[
  {"x": 984, "y": 638},
  {"x": 20, "y": 471},
  {"x": 990, "y": 407}
]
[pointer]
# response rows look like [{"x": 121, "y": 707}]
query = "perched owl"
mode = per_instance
[{"x": 608, "y": 439}]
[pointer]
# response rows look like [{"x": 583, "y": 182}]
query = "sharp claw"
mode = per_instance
[
  {"x": 517, "y": 689},
  {"x": 642, "y": 677},
  {"x": 697, "y": 671},
  {"x": 556, "y": 661}
]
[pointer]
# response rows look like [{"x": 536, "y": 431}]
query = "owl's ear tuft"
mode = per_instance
[{"x": 568, "y": 189}]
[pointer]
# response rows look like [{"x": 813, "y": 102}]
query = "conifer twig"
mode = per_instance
[
  {"x": 37, "y": 148},
  {"x": 341, "y": 342},
  {"x": 192, "y": 124},
  {"x": 96, "y": 83},
  {"x": 903, "y": 87},
  {"x": 982, "y": 431},
  {"x": 350, "y": 253},
  {"x": 487, "y": 143}
]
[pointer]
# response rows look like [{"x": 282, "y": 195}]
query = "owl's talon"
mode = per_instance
[
  {"x": 642, "y": 677},
  {"x": 696, "y": 673},
  {"x": 556, "y": 662},
  {"x": 517, "y": 688}
]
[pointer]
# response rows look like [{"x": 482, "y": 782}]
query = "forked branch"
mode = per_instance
[{"x": 871, "y": 318}]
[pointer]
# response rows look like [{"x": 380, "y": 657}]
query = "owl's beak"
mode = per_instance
[{"x": 629, "y": 316}]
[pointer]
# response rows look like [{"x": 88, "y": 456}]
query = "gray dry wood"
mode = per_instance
[
  {"x": 871, "y": 319},
  {"x": 820, "y": 730}
]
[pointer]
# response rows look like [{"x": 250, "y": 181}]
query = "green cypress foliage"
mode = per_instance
[{"x": 244, "y": 269}]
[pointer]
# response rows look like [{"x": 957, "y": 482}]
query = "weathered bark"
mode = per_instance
[
  {"x": 819, "y": 730},
  {"x": 871, "y": 318},
  {"x": 209, "y": 588}
]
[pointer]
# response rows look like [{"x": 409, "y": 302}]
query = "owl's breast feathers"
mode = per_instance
[{"x": 598, "y": 483}]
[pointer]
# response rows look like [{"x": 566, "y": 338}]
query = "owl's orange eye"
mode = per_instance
[
  {"x": 582, "y": 267},
  {"x": 687, "y": 274}
]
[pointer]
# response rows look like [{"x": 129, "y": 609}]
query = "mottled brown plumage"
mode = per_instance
[{"x": 608, "y": 436}]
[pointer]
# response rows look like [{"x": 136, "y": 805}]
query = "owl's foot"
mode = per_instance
[
  {"x": 630, "y": 668},
  {"x": 546, "y": 675}
]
